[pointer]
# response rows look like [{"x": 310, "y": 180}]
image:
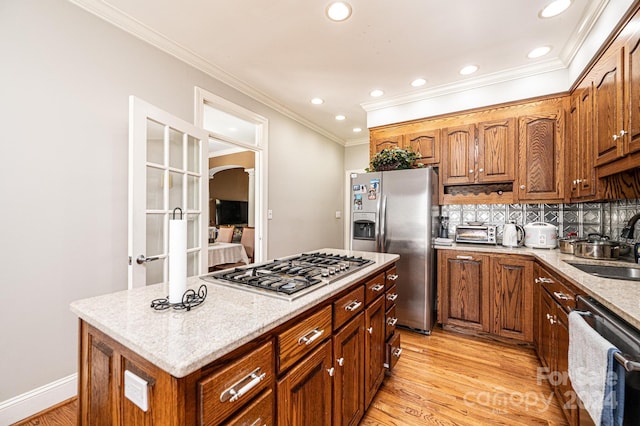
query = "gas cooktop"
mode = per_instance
[{"x": 291, "y": 277}]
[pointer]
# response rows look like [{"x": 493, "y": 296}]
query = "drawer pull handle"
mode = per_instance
[
  {"x": 353, "y": 306},
  {"x": 331, "y": 371},
  {"x": 314, "y": 335},
  {"x": 253, "y": 379},
  {"x": 396, "y": 352},
  {"x": 392, "y": 297},
  {"x": 464, "y": 257},
  {"x": 377, "y": 288},
  {"x": 392, "y": 277},
  {"x": 543, "y": 280},
  {"x": 561, "y": 296},
  {"x": 258, "y": 422},
  {"x": 392, "y": 321},
  {"x": 340, "y": 361}
]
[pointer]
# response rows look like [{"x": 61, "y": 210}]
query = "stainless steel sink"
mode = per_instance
[{"x": 609, "y": 271}]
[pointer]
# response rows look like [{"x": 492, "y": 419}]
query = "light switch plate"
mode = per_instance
[
  {"x": 136, "y": 390},
  {"x": 338, "y": 214}
]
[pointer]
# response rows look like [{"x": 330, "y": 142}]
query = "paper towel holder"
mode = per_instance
[{"x": 174, "y": 213}]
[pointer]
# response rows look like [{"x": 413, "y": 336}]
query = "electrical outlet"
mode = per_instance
[
  {"x": 269, "y": 214},
  {"x": 136, "y": 390},
  {"x": 338, "y": 214}
]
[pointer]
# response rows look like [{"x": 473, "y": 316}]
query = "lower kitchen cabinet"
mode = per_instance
[
  {"x": 374, "y": 348},
  {"x": 348, "y": 354},
  {"x": 463, "y": 290},
  {"x": 486, "y": 294},
  {"x": 554, "y": 301},
  {"x": 512, "y": 291},
  {"x": 304, "y": 393}
]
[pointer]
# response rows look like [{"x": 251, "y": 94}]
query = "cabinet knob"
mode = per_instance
[
  {"x": 370, "y": 330},
  {"x": 481, "y": 170},
  {"x": 470, "y": 171},
  {"x": 340, "y": 361},
  {"x": 522, "y": 187},
  {"x": 623, "y": 132},
  {"x": 331, "y": 371},
  {"x": 614, "y": 137}
]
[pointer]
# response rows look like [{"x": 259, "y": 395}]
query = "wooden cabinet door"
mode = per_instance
[
  {"x": 374, "y": 353},
  {"x": 546, "y": 344},
  {"x": 379, "y": 143},
  {"x": 426, "y": 144},
  {"x": 304, "y": 393},
  {"x": 632, "y": 93},
  {"x": 459, "y": 155},
  {"x": 348, "y": 355},
  {"x": 463, "y": 292},
  {"x": 607, "y": 107},
  {"x": 541, "y": 144},
  {"x": 573, "y": 147},
  {"x": 512, "y": 289},
  {"x": 583, "y": 156},
  {"x": 496, "y": 151}
]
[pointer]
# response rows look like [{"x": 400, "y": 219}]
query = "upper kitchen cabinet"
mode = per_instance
[
  {"x": 541, "y": 148},
  {"x": 418, "y": 137},
  {"x": 616, "y": 113},
  {"x": 481, "y": 153},
  {"x": 580, "y": 150}
]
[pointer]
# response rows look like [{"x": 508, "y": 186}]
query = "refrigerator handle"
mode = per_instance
[{"x": 383, "y": 226}]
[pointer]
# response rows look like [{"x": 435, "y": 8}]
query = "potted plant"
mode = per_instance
[{"x": 393, "y": 159}]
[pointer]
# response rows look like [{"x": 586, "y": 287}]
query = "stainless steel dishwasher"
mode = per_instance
[{"x": 627, "y": 340}]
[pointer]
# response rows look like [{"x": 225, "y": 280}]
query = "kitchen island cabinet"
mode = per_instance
[{"x": 226, "y": 361}]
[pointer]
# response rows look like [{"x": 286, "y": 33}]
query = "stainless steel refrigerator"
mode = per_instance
[{"x": 397, "y": 212}]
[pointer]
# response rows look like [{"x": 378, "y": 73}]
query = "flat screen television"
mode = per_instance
[{"x": 230, "y": 212}]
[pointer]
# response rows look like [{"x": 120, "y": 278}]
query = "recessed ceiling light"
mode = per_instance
[
  {"x": 418, "y": 82},
  {"x": 340, "y": 117},
  {"x": 469, "y": 69},
  {"x": 555, "y": 8},
  {"x": 357, "y": 129},
  {"x": 376, "y": 93},
  {"x": 539, "y": 51},
  {"x": 338, "y": 11},
  {"x": 317, "y": 101}
]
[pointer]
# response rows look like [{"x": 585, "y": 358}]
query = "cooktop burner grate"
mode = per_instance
[{"x": 291, "y": 277}]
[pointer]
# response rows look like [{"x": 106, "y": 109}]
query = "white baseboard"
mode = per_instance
[{"x": 36, "y": 400}]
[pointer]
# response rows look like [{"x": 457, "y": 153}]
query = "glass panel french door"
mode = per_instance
[{"x": 167, "y": 169}]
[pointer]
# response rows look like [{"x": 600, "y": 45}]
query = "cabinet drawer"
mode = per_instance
[
  {"x": 393, "y": 352},
  {"x": 564, "y": 295},
  {"x": 390, "y": 322},
  {"x": 302, "y": 338},
  {"x": 374, "y": 288},
  {"x": 347, "y": 307},
  {"x": 390, "y": 297},
  {"x": 390, "y": 277},
  {"x": 226, "y": 390},
  {"x": 259, "y": 412}
]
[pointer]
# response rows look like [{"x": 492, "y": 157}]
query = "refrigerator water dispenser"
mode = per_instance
[{"x": 364, "y": 226}]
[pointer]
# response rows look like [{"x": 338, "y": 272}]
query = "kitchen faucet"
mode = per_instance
[{"x": 627, "y": 231}]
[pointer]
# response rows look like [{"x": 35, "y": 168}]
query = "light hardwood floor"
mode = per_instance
[{"x": 444, "y": 379}]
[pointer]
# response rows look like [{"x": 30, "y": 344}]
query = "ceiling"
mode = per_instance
[{"x": 285, "y": 52}]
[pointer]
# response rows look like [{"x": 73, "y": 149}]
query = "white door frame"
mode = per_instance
[{"x": 203, "y": 97}]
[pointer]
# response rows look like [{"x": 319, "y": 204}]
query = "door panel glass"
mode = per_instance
[
  {"x": 155, "y": 271},
  {"x": 175, "y": 190},
  {"x": 155, "y": 235},
  {"x": 193, "y": 193},
  {"x": 154, "y": 188},
  {"x": 193, "y": 260},
  {"x": 175, "y": 149},
  {"x": 155, "y": 142},
  {"x": 193, "y": 231},
  {"x": 193, "y": 155}
]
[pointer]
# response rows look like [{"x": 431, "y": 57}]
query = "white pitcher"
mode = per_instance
[{"x": 512, "y": 235}]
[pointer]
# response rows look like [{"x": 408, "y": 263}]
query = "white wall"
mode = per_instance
[{"x": 64, "y": 85}]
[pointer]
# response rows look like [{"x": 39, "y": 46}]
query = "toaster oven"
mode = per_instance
[{"x": 476, "y": 234}]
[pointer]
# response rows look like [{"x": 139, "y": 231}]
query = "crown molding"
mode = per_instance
[
  {"x": 136, "y": 28},
  {"x": 579, "y": 36},
  {"x": 358, "y": 141}
]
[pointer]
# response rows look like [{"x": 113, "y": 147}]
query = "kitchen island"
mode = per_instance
[{"x": 178, "y": 361}]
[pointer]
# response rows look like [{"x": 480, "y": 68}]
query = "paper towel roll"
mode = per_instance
[{"x": 177, "y": 260}]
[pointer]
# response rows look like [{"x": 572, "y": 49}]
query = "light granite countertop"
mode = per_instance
[
  {"x": 620, "y": 296},
  {"x": 181, "y": 342}
]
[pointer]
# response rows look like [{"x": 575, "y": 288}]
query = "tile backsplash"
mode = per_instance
[{"x": 584, "y": 218}]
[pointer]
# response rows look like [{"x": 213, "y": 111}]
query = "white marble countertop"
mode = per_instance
[
  {"x": 620, "y": 296},
  {"x": 181, "y": 342}
]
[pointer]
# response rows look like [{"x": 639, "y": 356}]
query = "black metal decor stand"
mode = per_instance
[{"x": 190, "y": 299}]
